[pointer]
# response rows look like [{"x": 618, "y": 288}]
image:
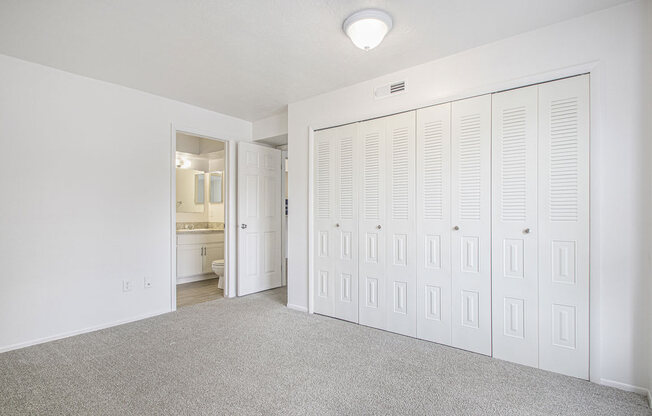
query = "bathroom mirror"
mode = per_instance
[
  {"x": 215, "y": 187},
  {"x": 199, "y": 188},
  {"x": 190, "y": 189}
]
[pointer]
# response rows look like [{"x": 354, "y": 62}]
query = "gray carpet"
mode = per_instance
[{"x": 254, "y": 356}]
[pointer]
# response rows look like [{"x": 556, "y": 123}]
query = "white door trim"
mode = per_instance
[
  {"x": 311, "y": 220},
  {"x": 284, "y": 220},
  {"x": 229, "y": 212}
]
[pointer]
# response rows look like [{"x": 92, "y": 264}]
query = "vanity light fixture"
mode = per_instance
[
  {"x": 183, "y": 163},
  {"x": 367, "y": 28}
]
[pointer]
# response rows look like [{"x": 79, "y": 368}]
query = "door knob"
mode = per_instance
[
  {"x": 456, "y": 228},
  {"x": 526, "y": 231},
  {"x": 337, "y": 225},
  {"x": 243, "y": 226},
  {"x": 379, "y": 227}
]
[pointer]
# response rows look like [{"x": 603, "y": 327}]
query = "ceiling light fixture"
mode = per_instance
[{"x": 367, "y": 28}]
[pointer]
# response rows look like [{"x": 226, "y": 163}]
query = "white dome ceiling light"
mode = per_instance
[{"x": 367, "y": 28}]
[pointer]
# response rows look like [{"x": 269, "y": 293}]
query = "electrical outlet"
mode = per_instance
[
  {"x": 127, "y": 286},
  {"x": 147, "y": 283}
]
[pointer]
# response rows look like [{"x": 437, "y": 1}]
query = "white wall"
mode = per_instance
[
  {"x": 647, "y": 111},
  {"x": 610, "y": 44},
  {"x": 272, "y": 126},
  {"x": 96, "y": 211}
]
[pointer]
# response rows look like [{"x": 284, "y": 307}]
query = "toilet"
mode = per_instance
[{"x": 218, "y": 269}]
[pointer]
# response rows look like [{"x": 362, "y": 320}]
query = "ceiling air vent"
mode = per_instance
[{"x": 395, "y": 88}]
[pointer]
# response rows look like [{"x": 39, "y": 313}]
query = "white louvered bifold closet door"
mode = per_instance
[
  {"x": 336, "y": 211},
  {"x": 324, "y": 222},
  {"x": 388, "y": 224},
  {"x": 400, "y": 230},
  {"x": 471, "y": 219},
  {"x": 514, "y": 227},
  {"x": 434, "y": 224},
  {"x": 372, "y": 274},
  {"x": 564, "y": 226}
]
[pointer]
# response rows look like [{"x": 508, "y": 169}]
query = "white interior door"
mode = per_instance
[
  {"x": 400, "y": 233},
  {"x": 372, "y": 282},
  {"x": 434, "y": 228},
  {"x": 336, "y": 227},
  {"x": 564, "y": 226},
  {"x": 471, "y": 218},
  {"x": 259, "y": 218},
  {"x": 514, "y": 226}
]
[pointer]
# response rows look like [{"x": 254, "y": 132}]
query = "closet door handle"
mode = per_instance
[
  {"x": 456, "y": 228},
  {"x": 379, "y": 227},
  {"x": 526, "y": 231},
  {"x": 337, "y": 225}
]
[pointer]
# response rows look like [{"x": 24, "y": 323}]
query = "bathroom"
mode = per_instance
[{"x": 200, "y": 209}]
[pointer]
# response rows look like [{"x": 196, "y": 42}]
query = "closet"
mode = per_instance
[{"x": 464, "y": 223}]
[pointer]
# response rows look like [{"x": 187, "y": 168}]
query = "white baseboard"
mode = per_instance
[
  {"x": 77, "y": 332},
  {"x": 197, "y": 278},
  {"x": 297, "y": 308},
  {"x": 627, "y": 387}
]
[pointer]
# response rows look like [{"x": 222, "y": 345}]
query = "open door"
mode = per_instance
[{"x": 259, "y": 218}]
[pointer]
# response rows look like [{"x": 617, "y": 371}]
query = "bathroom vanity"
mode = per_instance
[{"x": 196, "y": 250}]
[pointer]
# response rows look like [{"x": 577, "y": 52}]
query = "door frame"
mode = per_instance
[
  {"x": 230, "y": 247},
  {"x": 594, "y": 69},
  {"x": 284, "y": 218}
]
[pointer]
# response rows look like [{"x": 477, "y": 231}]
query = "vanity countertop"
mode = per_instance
[{"x": 200, "y": 231}]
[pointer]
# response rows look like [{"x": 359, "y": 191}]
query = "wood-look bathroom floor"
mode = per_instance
[{"x": 198, "y": 292}]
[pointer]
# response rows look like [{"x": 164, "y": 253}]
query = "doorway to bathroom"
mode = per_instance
[{"x": 200, "y": 218}]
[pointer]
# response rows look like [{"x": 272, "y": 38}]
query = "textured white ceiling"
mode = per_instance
[{"x": 250, "y": 58}]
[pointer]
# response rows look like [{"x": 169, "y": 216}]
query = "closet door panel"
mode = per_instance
[
  {"x": 471, "y": 219},
  {"x": 564, "y": 226},
  {"x": 434, "y": 224},
  {"x": 345, "y": 241},
  {"x": 372, "y": 254},
  {"x": 400, "y": 223},
  {"x": 514, "y": 226},
  {"x": 325, "y": 215}
]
